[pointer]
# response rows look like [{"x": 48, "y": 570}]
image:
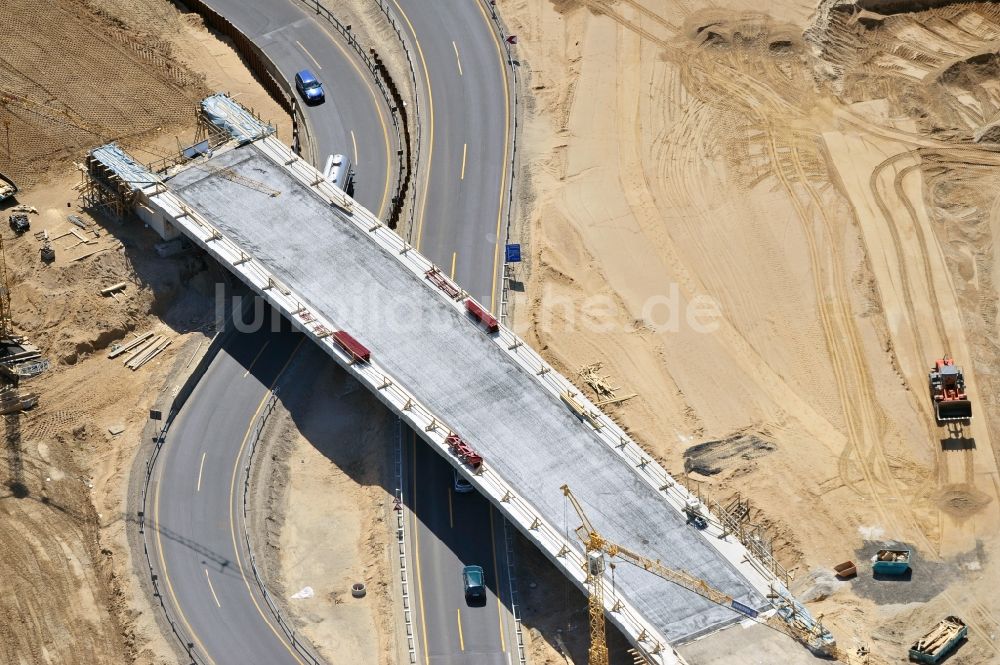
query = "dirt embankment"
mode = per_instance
[
  {"x": 74, "y": 75},
  {"x": 321, "y": 521},
  {"x": 769, "y": 231}
]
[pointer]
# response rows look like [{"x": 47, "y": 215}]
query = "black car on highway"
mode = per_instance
[{"x": 474, "y": 581}]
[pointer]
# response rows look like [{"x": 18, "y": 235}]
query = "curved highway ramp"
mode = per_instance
[{"x": 329, "y": 265}]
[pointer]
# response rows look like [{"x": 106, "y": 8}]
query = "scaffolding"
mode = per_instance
[{"x": 112, "y": 180}]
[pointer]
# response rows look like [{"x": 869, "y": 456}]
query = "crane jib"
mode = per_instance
[{"x": 743, "y": 609}]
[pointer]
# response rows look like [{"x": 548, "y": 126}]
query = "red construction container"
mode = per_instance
[
  {"x": 354, "y": 348},
  {"x": 464, "y": 451},
  {"x": 484, "y": 317}
]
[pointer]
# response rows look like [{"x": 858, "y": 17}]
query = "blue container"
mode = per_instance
[{"x": 936, "y": 644}]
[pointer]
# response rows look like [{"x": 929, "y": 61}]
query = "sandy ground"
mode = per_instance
[
  {"x": 82, "y": 74},
  {"x": 767, "y": 226},
  {"x": 325, "y": 521},
  {"x": 59, "y": 96}
]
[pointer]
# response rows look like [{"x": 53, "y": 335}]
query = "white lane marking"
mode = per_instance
[
  {"x": 457, "y": 59},
  {"x": 306, "y": 51},
  {"x": 201, "y": 467},
  {"x": 212, "y": 589},
  {"x": 355, "y": 142}
]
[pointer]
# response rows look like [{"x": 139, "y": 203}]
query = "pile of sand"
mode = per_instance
[
  {"x": 322, "y": 516},
  {"x": 758, "y": 223}
]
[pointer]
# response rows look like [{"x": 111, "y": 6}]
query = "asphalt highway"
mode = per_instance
[
  {"x": 459, "y": 221},
  {"x": 450, "y": 530},
  {"x": 354, "y": 119},
  {"x": 460, "y": 218},
  {"x": 459, "y": 215},
  {"x": 193, "y": 517}
]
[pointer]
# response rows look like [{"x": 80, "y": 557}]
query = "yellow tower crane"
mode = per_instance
[{"x": 813, "y": 636}]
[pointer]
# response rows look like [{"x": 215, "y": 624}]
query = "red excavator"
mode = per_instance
[{"x": 948, "y": 391}]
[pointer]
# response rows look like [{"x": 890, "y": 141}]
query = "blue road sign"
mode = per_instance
[{"x": 514, "y": 253}]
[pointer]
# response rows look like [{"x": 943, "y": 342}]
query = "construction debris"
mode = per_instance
[
  {"x": 12, "y": 401},
  {"x": 19, "y": 223},
  {"x": 117, "y": 350},
  {"x": 114, "y": 288},
  {"x": 31, "y": 368},
  {"x": 13, "y": 347},
  {"x": 117, "y": 245},
  {"x": 47, "y": 252},
  {"x": 140, "y": 350},
  {"x": 44, "y": 235},
  {"x": 77, "y": 220},
  {"x": 617, "y": 400},
  {"x": 81, "y": 239},
  {"x": 935, "y": 645},
  {"x": 148, "y": 353},
  {"x": 23, "y": 208},
  {"x": 7, "y": 187},
  {"x": 600, "y": 385}
]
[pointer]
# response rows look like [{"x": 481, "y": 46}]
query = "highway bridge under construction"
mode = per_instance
[{"x": 473, "y": 390}]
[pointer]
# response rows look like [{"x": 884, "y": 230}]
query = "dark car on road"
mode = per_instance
[
  {"x": 309, "y": 87},
  {"x": 462, "y": 486},
  {"x": 474, "y": 581}
]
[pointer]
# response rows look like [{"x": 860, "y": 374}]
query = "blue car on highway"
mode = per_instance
[{"x": 309, "y": 87}]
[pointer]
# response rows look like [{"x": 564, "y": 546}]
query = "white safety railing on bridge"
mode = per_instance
[
  {"x": 432, "y": 428},
  {"x": 411, "y": 410}
]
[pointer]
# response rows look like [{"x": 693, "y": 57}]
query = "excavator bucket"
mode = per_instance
[{"x": 956, "y": 409}]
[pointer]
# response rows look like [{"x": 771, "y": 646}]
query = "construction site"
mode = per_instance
[{"x": 738, "y": 406}]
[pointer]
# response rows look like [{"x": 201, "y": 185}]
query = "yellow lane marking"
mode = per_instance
[
  {"x": 457, "y": 59},
  {"x": 430, "y": 112},
  {"x": 201, "y": 467},
  {"x": 255, "y": 358},
  {"x": 416, "y": 553},
  {"x": 496, "y": 576},
  {"x": 454, "y": 255},
  {"x": 163, "y": 564},
  {"x": 381, "y": 120},
  {"x": 503, "y": 173},
  {"x": 451, "y": 513},
  {"x": 306, "y": 51},
  {"x": 212, "y": 589},
  {"x": 355, "y": 142},
  {"x": 465, "y": 148},
  {"x": 461, "y": 638},
  {"x": 232, "y": 494}
]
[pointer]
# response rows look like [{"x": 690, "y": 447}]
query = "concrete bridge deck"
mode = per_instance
[{"x": 328, "y": 264}]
